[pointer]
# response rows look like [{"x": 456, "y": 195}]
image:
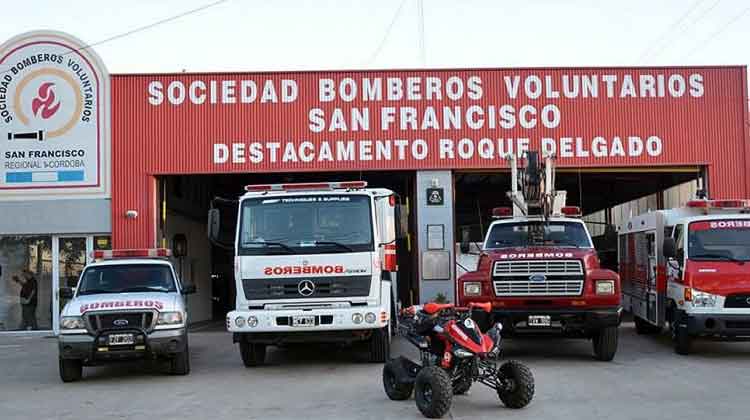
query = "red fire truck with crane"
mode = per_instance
[
  {"x": 688, "y": 268},
  {"x": 539, "y": 268}
]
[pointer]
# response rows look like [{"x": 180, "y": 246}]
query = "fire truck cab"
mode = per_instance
[
  {"x": 314, "y": 262},
  {"x": 688, "y": 268}
]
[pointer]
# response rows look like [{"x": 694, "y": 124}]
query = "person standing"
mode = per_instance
[{"x": 28, "y": 298}]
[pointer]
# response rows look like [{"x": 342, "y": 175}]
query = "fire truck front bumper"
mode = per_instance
[
  {"x": 569, "y": 322},
  {"x": 719, "y": 325}
]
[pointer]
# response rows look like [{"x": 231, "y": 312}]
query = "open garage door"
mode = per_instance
[
  {"x": 592, "y": 189},
  {"x": 184, "y": 202}
]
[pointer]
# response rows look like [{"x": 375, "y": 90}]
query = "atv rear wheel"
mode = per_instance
[
  {"x": 520, "y": 390},
  {"x": 393, "y": 388},
  {"x": 380, "y": 345},
  {"x": 605, "y": 344},
  {"x": 253, "y": 354},
  {"x": 462, "y": 385},
  {"x": 433, "y": 392}
]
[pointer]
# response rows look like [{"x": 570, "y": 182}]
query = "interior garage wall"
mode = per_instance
[
  {"x": 196, "y": 265},
  {"x": 675, "y": 196}
]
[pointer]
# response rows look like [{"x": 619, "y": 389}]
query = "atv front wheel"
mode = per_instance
[
  {"x": 433, "y": 392},
  {"x": 520, "y": 384},
  {"x": 395, "y": 390}
]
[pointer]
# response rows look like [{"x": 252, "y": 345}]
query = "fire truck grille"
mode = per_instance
[
  {"x": 737, "y": 301},
  {"x": 304, "y": 287},
  {"x": 120, "y": 321},
  {"x": 538, "y": 278}
]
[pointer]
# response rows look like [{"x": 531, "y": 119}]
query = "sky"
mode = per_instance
[{"x": 257, "y": 35}]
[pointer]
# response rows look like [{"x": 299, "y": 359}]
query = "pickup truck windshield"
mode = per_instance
[
  {"x": 126, "y": 278},
  {"x": 719, "y": 240},
  {"x": 312, "y": 224},
  {"x": 538, "y": 233}
]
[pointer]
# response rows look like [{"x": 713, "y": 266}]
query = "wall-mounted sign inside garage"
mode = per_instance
[
  {"x": 435, "y": 196},
  {"x": 54, "y": 118}
]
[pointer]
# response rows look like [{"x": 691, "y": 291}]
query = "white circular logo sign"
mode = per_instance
[{"x": 54, "y": 97}]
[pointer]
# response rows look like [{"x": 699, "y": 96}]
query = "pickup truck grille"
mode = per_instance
[
  {"x": 555, "y": 278},
  {"x": 120, "y": 321},
  {"x": 289, "y": 288}
]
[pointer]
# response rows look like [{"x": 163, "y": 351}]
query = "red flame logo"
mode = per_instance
[{"x": 44, "y": 104}]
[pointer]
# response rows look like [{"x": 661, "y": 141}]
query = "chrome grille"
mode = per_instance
[
  {"x": 546, "y": 267},
  {"x": 561, "y": 278}
]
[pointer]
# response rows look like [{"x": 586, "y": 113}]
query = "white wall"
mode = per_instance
[{"x": 196, "y": 265}]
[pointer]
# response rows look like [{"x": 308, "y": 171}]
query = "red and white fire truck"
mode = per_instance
[
  {"x": 314, "y": 262},
  {"x": 539, "y": 268},
  {"x": 688, "y": 268}
]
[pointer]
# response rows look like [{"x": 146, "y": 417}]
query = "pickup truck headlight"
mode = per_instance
[
  {"x": 72, "y": 323},
  {"x": 605, "y": 287},
  {"x": 472, "y": 288},
  {"x": 169, "y": 318},
  {"x": 703, "y": 299}
]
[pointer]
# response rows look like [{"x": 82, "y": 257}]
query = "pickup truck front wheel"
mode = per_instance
[
  {"x": 605, "y": 344},
  {"x": 180, "y": 363},
  {"x": 71, "y": 370}
]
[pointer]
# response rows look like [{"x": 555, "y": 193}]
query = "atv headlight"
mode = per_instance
[
  {"x": 703, "y": 299},
  {"x": 472, "y": 288},
  {"x": 169, "y": 318},
  {"x": 72, "y": 323},
  {"x": 462, "y": 353}
]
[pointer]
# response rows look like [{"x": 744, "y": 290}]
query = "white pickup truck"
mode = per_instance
[{"x": 127, "y": 305}]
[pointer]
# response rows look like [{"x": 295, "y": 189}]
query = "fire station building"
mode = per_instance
[{"x": 91, "y": 160}]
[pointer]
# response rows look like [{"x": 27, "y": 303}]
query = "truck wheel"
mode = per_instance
[
  {"x": 395, "y": 390},
  {"x": 521, "y": 384},
  {"x": 643, "y": 327},
  {"x": 180, "y": 363},
  {"x": 605, "y": 344},
  {"x": 680, "y": 337},
  {"x": 380, "y": 345},
  {"x": 433, "y": 392},
  {"x": 71, "y": 370},
  {"x": 462, "y": 385},
  {"x": 253, "y": 354}
]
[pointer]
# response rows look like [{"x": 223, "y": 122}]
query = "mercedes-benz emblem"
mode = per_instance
[{"x": 306, "y": 287}]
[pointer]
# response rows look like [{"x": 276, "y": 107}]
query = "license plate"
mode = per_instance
[
  {"x": 303, "y": 321},
  {"x": 539, "y": 321},
  {"x": 120, "y": 339}
]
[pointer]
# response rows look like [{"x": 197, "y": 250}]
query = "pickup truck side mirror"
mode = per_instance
[
  {"x": 66, "y": 292},
  {"x": 669, "y": 248},
  {"x": 188, "y": 289}
]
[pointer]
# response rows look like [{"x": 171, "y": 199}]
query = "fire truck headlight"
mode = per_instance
[
  {"x": 472, "y": 288},
  {"x": 357, "y": 318},
  {"x": 370, "y": 317},
  {"x": 252, "y": 321},
  {"x": 605, "y": 287},
  {"x": 703, "y": 299},
  {"x": 72, "y": 323},
  {"x": 239, "y": 322}
]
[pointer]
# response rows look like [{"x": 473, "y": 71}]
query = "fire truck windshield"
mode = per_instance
[
  {"x": 538, "y": 233},
  {"x": 310, "y": 224},
  {"x": 719, "y": 240}
]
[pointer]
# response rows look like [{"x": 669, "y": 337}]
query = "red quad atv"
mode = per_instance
[{"x": 454, "y": 354}]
